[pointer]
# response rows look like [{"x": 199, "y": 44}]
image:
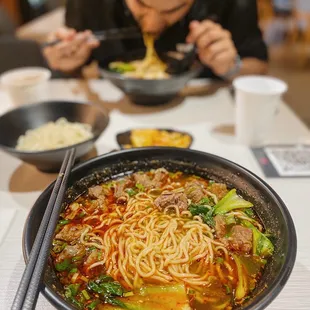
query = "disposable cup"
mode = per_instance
[
  {"x": 26, "y": 85},
  {"x": 257, "y": 100}
]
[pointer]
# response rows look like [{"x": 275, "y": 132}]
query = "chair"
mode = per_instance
[
  {"x": 7, "y": 25},
  {"x": 15, "y": 53},
  {"x": 300, "y": 31}
]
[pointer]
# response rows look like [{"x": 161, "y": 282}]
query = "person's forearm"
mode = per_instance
[{"x": 252, "y": 66}]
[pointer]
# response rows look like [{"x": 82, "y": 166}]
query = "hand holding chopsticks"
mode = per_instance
[
  {"x": 29, "y": 287},
  {"x": 69, "y": 50},
  {"x": 110, "y": 34}
]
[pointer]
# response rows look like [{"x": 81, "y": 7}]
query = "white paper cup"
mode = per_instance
[
  {"x": 257, "y": 99},
  {"x": 26, "y": 85}
]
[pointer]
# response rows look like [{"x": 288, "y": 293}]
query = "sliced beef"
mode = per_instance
[
  {"x": 92, "y": 258},
  {"x": 121, "y": 186},
  {"x": 95, "y": 192},
  {"x": 220, "y": 226},
  {"x": 194, "y": 191},
  {"x": 241, "y": 239},
  {"x": 160, "y": 177},
  {"x": 143, "y": 179},
  {"x": 70, "y": 232},
  {"x": 70, "y": 251},
  {"x": 218, "y": 189},
  {"x": 169, "y": 199}
]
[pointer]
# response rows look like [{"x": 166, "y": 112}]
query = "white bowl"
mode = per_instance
[{"x": 26, "y": 85}]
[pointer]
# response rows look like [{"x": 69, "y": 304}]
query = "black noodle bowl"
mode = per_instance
[
  {"x": 268, "y": 206},
  {"x": 147, "y": 92}
]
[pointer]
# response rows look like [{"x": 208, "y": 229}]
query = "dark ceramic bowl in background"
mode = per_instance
[
  {"x": 123, "y": 138},
  {"x": 147, "y": 92},
  {"x": 16, "y": 122},
  {"x": 268, "y": 206}
]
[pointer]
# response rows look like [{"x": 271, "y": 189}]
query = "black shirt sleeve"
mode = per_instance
[
  {"x": 75, "y": 15},
  {"x": 242, "y": 21}
]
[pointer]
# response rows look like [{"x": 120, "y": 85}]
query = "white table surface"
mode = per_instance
[{"x": 197, "y": 115}]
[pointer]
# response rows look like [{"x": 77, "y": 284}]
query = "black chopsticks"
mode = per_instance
[
  {"x": 29, "y": 287},
  {"x": 110, "y": 34}
]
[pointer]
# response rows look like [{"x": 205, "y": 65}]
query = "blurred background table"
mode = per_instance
[
  {"x": 208, "y": 114},
  {"x": 289, "y": 48}
]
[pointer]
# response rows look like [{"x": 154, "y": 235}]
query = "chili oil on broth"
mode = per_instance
[{"x": 159, "y": 240}]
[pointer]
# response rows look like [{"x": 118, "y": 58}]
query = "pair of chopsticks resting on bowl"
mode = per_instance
[
  {"x": 30, "y": 284},
  {"x": 110, "y": 34}
]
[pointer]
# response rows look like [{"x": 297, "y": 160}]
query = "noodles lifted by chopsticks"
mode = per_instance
[{"x": 151, "y": 67}]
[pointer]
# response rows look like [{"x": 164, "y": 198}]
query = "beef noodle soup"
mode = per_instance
[{"x": 159, "y": 240}]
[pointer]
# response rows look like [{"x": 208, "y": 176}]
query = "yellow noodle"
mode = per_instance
[
  {"x": 220, "y": 272},
  {"x": 141, "y": 244}
]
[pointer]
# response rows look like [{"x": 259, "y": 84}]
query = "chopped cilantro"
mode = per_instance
[
  {"x": 204, "y": 201},
  {"x": 140, "y": 187},
  {"x": 227, "y": 288},
  {"x": 63, "y": 222},
  {"x": 131, "y": 192},
  {"x": 73, "y": 270},
  {"x": 76, "y": 259},
  {"x": 219, "y": 260},
  {"x": 82, "y": 214},
  {"x": 249, "y": 212}
]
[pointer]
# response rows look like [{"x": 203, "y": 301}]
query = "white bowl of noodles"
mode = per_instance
[{"x": 41, "y": 133}]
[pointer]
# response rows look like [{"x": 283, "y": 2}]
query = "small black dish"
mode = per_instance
[
  {"x": 123, "y": 138},
  {"x": 16, "y": 122},
  {"x": 148, "y": 92}
]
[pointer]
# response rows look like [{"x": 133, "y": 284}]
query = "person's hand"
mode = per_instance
[
  {"x": 215, "y": 46},
  {"x": 73, "y": 50}
]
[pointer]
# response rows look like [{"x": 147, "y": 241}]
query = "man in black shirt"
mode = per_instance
[{"x": 226, "y": 32}]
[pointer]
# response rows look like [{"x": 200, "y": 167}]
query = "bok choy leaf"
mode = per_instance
[{"x": 231, "y": 202}]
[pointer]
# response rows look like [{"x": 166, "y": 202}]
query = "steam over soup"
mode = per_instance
[{"x": 159, "y": 240}]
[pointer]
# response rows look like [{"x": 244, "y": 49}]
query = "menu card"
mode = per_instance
[{"x": 284, "y": 160}]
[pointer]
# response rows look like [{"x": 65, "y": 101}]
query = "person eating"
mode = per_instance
[{"x": 226, "y": 33}]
